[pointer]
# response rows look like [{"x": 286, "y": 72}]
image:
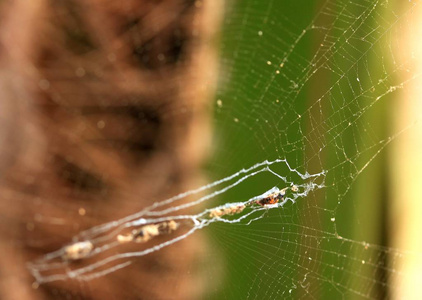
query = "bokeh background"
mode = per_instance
[{"x": 109, "y": 107}]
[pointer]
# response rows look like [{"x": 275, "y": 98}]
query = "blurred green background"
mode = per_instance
[{"x": 300, "y": 80}]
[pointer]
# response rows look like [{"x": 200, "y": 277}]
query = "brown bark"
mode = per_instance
[{"x": 104, "y": 110}]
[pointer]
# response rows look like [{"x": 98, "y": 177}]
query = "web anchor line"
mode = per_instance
[{"x": 147, "y": 225}]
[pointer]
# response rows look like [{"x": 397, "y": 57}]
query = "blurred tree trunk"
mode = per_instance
[{"x": 105, "y": 109}]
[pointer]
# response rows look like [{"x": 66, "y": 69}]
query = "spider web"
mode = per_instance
[
  {"x": 303, "y": 99},
  {"x": 322, "y": 109}
]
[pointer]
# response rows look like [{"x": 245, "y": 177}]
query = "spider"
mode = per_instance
[
  {"x": 272, "y": 198},
  {"x": 276, "y": 196}
]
